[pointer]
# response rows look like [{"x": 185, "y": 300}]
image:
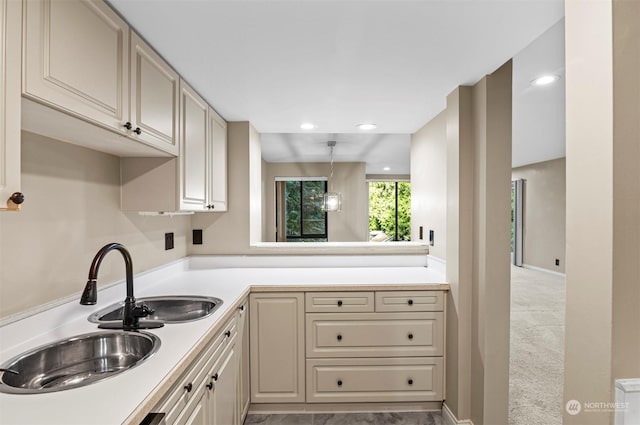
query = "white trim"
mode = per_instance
[
  {"x": 540, "y": 269},
  {"x": 450, "y": 418}
]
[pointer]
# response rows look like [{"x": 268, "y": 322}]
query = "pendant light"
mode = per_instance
[{"x": 332, "y": 200}]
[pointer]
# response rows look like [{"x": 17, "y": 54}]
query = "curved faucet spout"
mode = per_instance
[
  {"x": 90, "y": 293},
  {"x": 132, "y": 312}
]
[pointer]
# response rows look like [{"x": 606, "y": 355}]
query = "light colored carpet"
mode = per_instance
[{"x": 537, "y": 347}]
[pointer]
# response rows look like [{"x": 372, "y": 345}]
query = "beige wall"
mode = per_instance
[
  {"x": 602, "y": 342},
  {"x": 429, "y": 183},
  {"x": 230, "y": 232},
  {"x": 72, "y": 209},
  {"x": 491, "y": 100},
  {"x": 626, "y": 190},
  {"x": 544, "y": 213},
  {"x": 350, "y": 224},
  {"x": 459, "y": 255},
  {"x": 478, "y": 215}
]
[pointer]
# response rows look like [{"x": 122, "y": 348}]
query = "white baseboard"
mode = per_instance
[
  {"x": 540, "y": 269},
  {"x": 450, "y": 418}
]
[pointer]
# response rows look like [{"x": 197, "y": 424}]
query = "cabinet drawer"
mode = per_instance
[
  {"x": 178, "y": 398},
  {"x": 392, "y": 301},
  {"x": 374, "y": 380},
  {"x": 339, "y": 302},
  {"x": 375, "y": 335}
]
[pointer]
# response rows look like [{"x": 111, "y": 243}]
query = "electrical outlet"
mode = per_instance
[
  {"x": 557, "y": 261},
  {"x": 168, "y": 241},
  {"x": 197, "y": 236}
]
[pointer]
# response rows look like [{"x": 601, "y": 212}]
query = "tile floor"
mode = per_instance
[{"x": 388, "y": 418}]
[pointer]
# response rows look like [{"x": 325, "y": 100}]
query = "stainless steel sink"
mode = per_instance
[
  {"x": 168, "y": 308},
  {"x": 76, "y": 362}
]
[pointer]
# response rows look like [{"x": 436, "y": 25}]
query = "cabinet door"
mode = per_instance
[
  {"x": 222, "y": 403},
  {"x": 10, "y": 48},
  {"x": 217, "y": 163},
  {"x": 243, "y": 362},
  {"x": 154, "y": 98},
  {"x": 277, "y": 347},
  {"x": 195, "y": 413},
  {"x": 76, "y": 56},
  {"x": 193, "y": 140}
]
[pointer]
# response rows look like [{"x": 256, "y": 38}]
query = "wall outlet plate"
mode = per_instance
[
  {"x": 197, "y": 236},
  {"x": 168, "y": 241}
]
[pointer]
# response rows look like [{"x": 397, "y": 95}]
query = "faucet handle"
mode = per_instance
[{"x": 142, "y": 310}]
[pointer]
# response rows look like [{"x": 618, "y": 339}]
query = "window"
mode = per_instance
[
  {"x": 299, "y": 213},
  {"x": 389, "y": 211}
]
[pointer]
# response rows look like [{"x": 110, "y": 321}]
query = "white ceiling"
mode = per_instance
[
  {"x": 336, "y": 63},
  {"x": 377, "y": 150},
  {"x": 539, "y": 112}
]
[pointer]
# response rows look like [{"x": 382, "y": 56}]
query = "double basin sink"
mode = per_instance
[{"x": 88, "y": 358}]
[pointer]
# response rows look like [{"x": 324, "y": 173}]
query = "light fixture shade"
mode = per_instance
[{"x": 332, "y": 202}]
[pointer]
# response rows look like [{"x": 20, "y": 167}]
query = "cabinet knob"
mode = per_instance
[
  {"x": 215, "y": 377},
  {"x": 410, "y": 336},
  {"x": 227, "y": 334},
  {"x": 410, "y": 302},
  {"x": 128, "y": 125},
  {"x": 339, "y": 303},
  {"x": 213, "y": 207},
  {"x": 17, "y": 198},
  {"x": 339, "y": 337},
  {"x": 410, "y": 381},
  {"x": 241, "y": 308},
  {"x": 210, "y": 386},
  {"x": 339, "y": 382},
  {"x": 188, "y": 387},
  {"x": 138, "y": 131}
]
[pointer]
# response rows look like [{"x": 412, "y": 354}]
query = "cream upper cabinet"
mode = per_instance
[
  {"x": 193, "y": 147},
  {"x": 76, "y": 58},
  {"x": 217, "y": 163},
  {"x": 81, "y": 58},
  {"x": 276, "y": 326},
  {"x": 10, "y": 53},
  {"x": 155, "y": 90}
]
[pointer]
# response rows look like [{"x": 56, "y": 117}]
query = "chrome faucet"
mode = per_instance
[{"x": 132, "y": 311}]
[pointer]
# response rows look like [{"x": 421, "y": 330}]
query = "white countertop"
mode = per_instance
[{"x": 113, "y": 400}]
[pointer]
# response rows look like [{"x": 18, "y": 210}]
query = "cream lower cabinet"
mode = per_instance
[
  {"x": 277, "y": 347},
  {"x": 10, "y": 51},
  {"x": 359, "y": 346},
  {"x": 221, "y": 399},
  {"x": 243, "y": 388},
  {"x": 206, "y": 392},
  {"x": 383, "y": 346}
]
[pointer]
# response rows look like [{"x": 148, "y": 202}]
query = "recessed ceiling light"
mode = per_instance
[
  {"x": 386, "y": 168},
  {"x": 366, "y": 126},
  {"x": 307, "y": 126},
  {"x": 545, "y": 80}
]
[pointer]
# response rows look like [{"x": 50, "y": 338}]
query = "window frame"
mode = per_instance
[{"x": 303, "y": 235}]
